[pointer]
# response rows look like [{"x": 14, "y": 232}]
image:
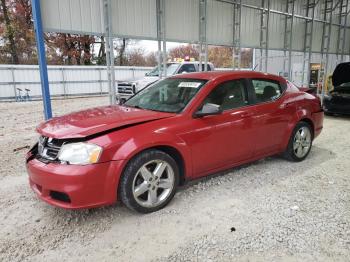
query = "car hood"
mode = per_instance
[
  {"x": 96, "y": 120},
  {"x": 341, "y": 74}
]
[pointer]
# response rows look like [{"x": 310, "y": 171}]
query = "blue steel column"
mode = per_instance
[{"x": 40, "y": 45}]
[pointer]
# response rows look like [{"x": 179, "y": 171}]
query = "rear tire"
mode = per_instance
[
  {"x": 300, "y": 142},
  {"x": 149, "y": 181}
]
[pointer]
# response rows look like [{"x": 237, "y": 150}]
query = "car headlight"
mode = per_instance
[{"x": 80, "y": 153}]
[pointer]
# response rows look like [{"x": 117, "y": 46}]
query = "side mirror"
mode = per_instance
[{"x": 208, "y": 109}]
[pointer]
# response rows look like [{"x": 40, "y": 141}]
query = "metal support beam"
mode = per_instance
[
  {"x": 272, "y": 11},
  {"x": 203, "y": 46},
  {"x": 343, "y": 18},
  {"x": 64, "y": 82},
  {"x": 109, "y": 51},
  {"x": 40, "y": 45},
  {"x": 14, "y": 83},
  {"x": 288, "y": 37},
  {"x": 264, "y": 35},
  {"x": 329, "y": 7},
  {"x": 308, "y": 35},
  {"x": 100, "y": 80},
  {"x": 236, "y": 52},
  {"x": 164, "y": 39},
  {"x": 161, "y": 37}
]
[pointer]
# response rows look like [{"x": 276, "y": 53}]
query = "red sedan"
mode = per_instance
[{"x": 181, "y": 128}]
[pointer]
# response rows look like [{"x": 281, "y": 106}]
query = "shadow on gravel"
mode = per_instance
[
  {"x": 337, "y": 117},
  {"x": 48, "y": 227},
  {"x": 317, "y": 155},
  {"x": 259, "y": 169}
]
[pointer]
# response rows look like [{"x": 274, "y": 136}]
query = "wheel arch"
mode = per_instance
[
  {"x": 177, "y": 154},
  {"x": 309, "y": 121},
  {"x": 123, "y": 190},
  {"x": 298, "y": 117}
]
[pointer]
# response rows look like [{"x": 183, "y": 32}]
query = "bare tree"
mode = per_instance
[
  {"x": 184, "y": 50},
  {"x": 121, "y": 46},
  {"x": 101, "y": 56},
  {"x": 151, "y": 59}
]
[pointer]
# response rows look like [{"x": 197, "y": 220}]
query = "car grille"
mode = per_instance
[
  {"x": 127, "y": 89},
  {"x": 48, "y": 147}
]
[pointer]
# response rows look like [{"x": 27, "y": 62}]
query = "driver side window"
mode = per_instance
[{"x": 229, "y": 95}]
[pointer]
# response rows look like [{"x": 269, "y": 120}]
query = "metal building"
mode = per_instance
[{"x": 308, "y": 29}]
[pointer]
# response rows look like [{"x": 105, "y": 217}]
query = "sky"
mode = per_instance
[
  {"x": 152, "y": 46},
  {"x": 147, "y": 45}
]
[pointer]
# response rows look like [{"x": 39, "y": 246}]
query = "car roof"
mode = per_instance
[
  {"x": 188, "y": 62},
  {"x": 216, "y": 75}
]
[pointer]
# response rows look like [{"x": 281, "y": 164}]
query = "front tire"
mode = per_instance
[
  {"x": 149, "y": 181},
  {"x": 300, "y": 142}
]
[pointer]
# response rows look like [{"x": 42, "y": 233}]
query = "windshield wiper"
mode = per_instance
[{"x": 133, "y": 106}]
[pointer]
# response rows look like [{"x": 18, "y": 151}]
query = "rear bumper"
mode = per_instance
[{"x": 73, "y": 186}]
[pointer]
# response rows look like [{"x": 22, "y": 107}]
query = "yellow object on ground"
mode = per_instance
[{"x": 328, "y": 85}]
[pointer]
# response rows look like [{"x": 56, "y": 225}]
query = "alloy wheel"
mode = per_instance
[
  {"x": 302, "y": 142},
  {"x": 153, "y": 183}
]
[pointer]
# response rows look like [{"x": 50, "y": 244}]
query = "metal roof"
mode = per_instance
[{"x": 138, "y": 19}]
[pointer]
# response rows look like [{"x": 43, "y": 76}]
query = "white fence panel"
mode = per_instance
[{"x": 64, "y": 80}]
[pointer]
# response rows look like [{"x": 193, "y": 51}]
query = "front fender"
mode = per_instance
[{"x": 134, "y": 146}]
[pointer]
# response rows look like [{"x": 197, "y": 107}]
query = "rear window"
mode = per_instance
[{"x": 266, "y": 90}]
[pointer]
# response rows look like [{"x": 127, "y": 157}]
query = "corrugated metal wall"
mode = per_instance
[
  {"x": 137, "y": 19},
  {"x": 276, "y": 60},
  {"x": 250, "y": 36},
  {"x": 220, "y": 31},
  {"x": 73, "y": 15},
  {"x": 64, "y": 80},
  {"x": 134, "y": 18},
  {"x": 181, "y": 21}
]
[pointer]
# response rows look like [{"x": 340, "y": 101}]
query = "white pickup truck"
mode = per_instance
[{"x": 128, "y": 89}]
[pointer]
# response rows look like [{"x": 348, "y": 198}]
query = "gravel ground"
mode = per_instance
[{"x": 270, "y": 210}]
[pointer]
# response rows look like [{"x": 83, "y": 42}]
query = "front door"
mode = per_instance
[{"x": 221, "y": 140}]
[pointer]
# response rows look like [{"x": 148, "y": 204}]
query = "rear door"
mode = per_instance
[{"x": 271, "y": 116}]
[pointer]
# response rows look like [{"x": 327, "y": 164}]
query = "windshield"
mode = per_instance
[
  {"x": 169, "y": 95},
  {"x": 170, "y": 70}
]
